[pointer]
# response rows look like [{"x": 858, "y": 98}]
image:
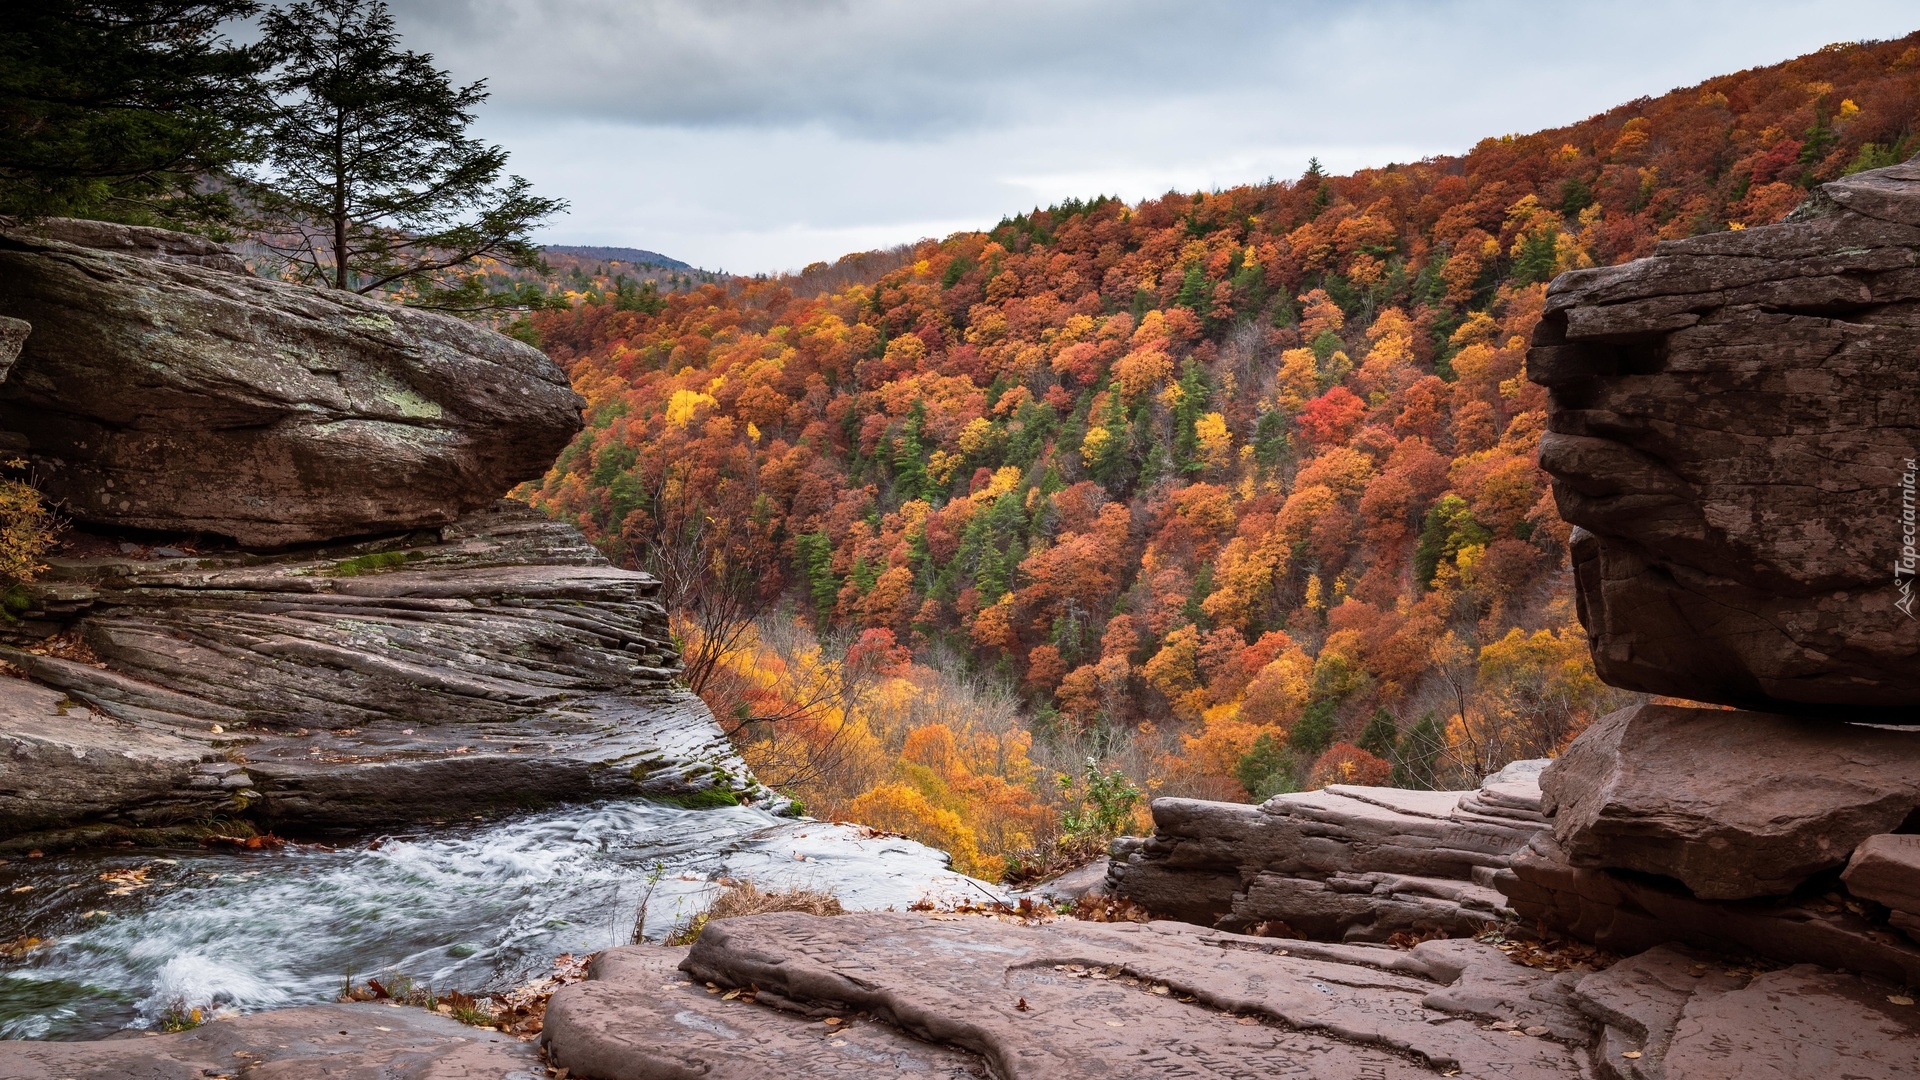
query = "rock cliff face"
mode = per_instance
[
  {"x": 1733, "y": 433},
  {"x": 160, "y": 390},
  {"x": 494, "y": 664},
  {"x": 338, "y": 627}
]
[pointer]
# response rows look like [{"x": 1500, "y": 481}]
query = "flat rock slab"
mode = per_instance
[
  {"x": 1124, "y": 1000},
  {"x": 1731, "y": 804},
  {"x": 321, "y": 1042},
  {"x": 640, "y": 1018},
  {"x": 1794, "y": 1024}
]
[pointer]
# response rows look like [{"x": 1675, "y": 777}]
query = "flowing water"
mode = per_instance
[{"x": 130, "y": 935}]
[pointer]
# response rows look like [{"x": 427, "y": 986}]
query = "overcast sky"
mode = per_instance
[{"x": 761, "y": 135}]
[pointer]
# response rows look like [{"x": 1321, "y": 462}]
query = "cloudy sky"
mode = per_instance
[{"x": 760, "y": 135}]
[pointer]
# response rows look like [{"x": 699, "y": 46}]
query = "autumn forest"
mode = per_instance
[{"x": 1221, "y": 494}]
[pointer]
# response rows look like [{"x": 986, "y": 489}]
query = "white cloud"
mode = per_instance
[{"x": 761, "y": 135}]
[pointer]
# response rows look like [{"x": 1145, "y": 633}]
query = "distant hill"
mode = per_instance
[{"x": 639, "y": 256}]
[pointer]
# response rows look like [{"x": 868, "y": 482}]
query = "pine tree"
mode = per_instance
[
  {"x": 125, "y": 109},
  {"x": 371, "y": 182}
]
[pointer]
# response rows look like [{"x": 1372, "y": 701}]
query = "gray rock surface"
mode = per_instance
[
  {"x": 158, "y": 394},
  {"x": 1886, "y": 870},
  {"x": 494, "y": 664},
  {"x": 1732, "y": 804},
  {"x": 13, "y": 338},
  {"x": 1357, "y": 863},
  {"x": 322, "y": 1042},
  {"x": 1731, "y": 432}
]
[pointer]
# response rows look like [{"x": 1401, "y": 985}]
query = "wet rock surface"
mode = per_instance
[
  {"x": 327, "y": 1042},
  {"x": 161, "y": 390},
  {"x": 1731, "y": 432},
  {"x": 494, "y": 664},
  {"x": 1731, "y": 804},
  {"x": 1346, "y": 862}
]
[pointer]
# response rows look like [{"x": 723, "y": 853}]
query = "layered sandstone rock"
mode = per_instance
[
  {"x": 1347, "y": 862},
  {"x": 1733, "y": 805},
  {"x": 1630, "y": 913},
  {"x": 497, "y": 663},
  {"x": 1731, "y": 431},
  {"x": 161, "y": 390}
]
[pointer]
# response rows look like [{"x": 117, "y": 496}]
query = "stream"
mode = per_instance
[{"x": 130, "y": 934}]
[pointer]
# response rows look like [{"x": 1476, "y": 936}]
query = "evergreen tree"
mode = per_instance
[
  {"x": 124, "y": 110},
  {"x": 371, "y": 182},
  {"x": 1381, "y": 736},
  {"x": 1419, "y": 754}
]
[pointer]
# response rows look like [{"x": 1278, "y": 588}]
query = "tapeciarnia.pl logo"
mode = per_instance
[{"x": 1905, "y": 567}]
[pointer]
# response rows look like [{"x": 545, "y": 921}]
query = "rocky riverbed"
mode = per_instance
[{"x": 104, "y": 941}]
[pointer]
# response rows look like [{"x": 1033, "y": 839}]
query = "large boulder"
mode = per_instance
[
  {"x": 1732, "y": 432},
  {"x": 161, "y": 390},
  {"x": 1731, "y": 804}
]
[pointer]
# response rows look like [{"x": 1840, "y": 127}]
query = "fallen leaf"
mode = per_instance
[
  {"x": 1899, "y": 999},
  {"x": 1630, "y": 1054},
  {"x": 730, "y": 995},
  {"x": 1116, "y": 1023},
  {"x": 832, "y": 1020},
  {"x": 1022, "y": 1005},
  {"x": 1243, "y": 1020},
  {"x": 1537, "y": 1030}
]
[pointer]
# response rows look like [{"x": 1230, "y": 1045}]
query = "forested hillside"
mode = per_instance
[{"x": 1235, "y": 490}]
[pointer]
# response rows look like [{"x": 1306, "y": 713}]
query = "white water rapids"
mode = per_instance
[{"x": 473, "y": 907}]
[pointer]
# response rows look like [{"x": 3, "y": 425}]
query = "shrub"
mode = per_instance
[
  {"x": 28, "y": 529},
  {"x": 743, "y": 898}
]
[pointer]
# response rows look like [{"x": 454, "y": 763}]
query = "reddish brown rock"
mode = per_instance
[
  {"x": 322, "y": 1042},
  {"x": 161, "y": 391},
  {"x": 1125, "y": 1000},
  {"x": 1731, "y": 430},
  {"x": 1795, "y": 1024},
  {"x": 639, "y": 1018},
  {"x": 1886, "y": 870},
  {"x": 1640, "y": 1001},
  {"x": 1348, "y": 862},
  {"x": 1731, "y": 804},
  {"x": 1630, "y": 913}
]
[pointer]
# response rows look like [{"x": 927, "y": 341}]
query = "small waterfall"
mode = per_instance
[{"x": 132, "y": 935}]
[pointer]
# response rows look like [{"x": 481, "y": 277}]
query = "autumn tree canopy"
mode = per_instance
[{"x": 1254, "y": 471}]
